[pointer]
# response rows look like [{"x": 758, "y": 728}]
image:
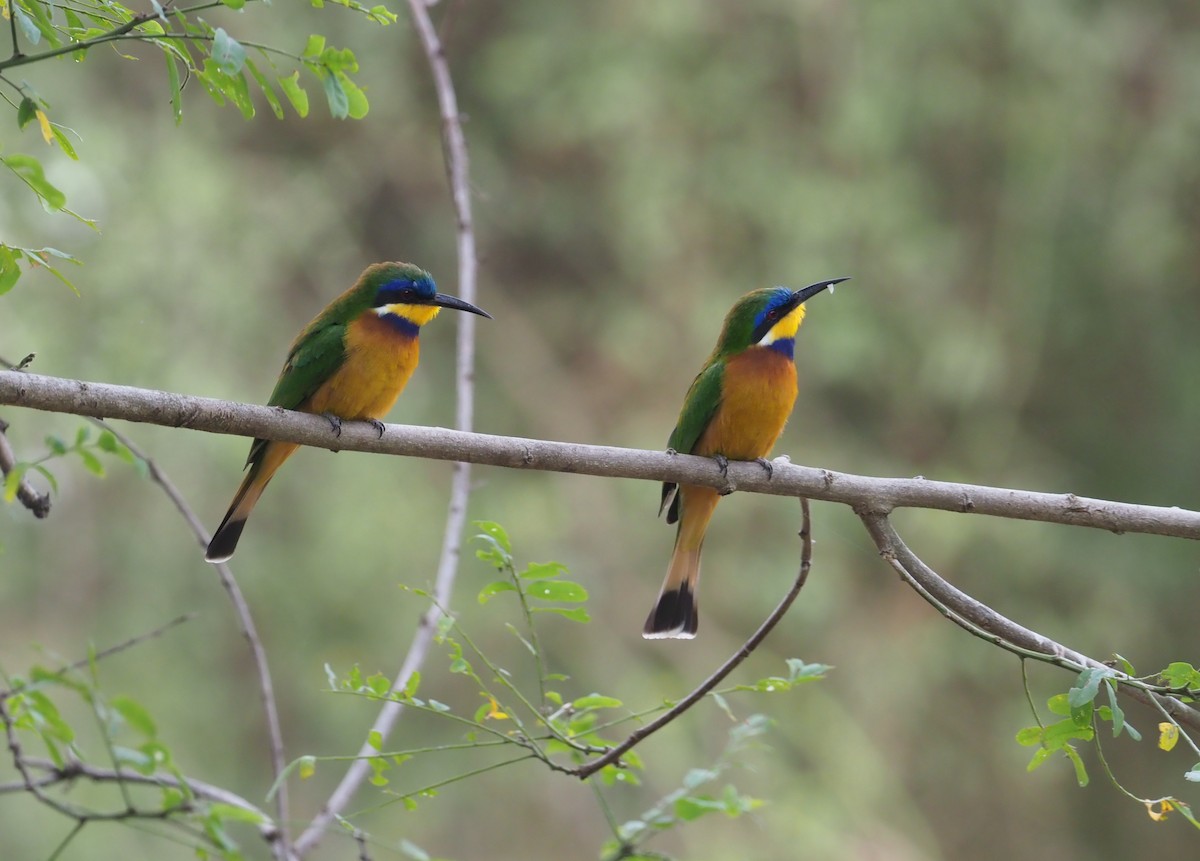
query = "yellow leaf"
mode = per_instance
[
  {"x": 44, "y": 122},
  {"x": 495, "y": 712},
  {"x": 1164, "y": 806},
  {"x": 1168, "y": 735}
]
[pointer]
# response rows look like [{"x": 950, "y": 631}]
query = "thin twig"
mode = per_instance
[
  {"x": 458, "y": 174},
  {"x": 982, "y": 621},
  {"x": 128, "y": 644},
  {"x": 880, "y": 495},
  {"x": 38, "y": 503},
  {"x": 613, "y": 755},
  {"x": 281, "y": 839}
]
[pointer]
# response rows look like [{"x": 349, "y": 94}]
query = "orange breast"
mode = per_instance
[
  {"x": 379, "y": 361},
  {"x": 758, "y": 392}
]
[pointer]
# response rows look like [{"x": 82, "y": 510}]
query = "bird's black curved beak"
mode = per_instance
[
  {"x": 802, "y": 296},
  {"x": 447, "y": 301}
]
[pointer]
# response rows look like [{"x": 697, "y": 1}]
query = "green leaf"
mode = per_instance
[
  {"x": 1029, "y": 736},
  {"x": 26, "y": 112},
  {"x": 10, "y": 270},
  {"x": 228, "y": 53},
  {"x": 135, "y": 715},
  {"x": 12, "y": 481},
  {"x": 233, "y": 813},
  {"x": 315, "y": 46},
  {"x": 494, "y": 588},
  {"x": 542, "y": 570},
  {"x": 28, "y": 27},
  {"x": 1058, "y": 705},
  {"x": 798, "y": 671},
  {"x": 295, "y": 93},
  {"x": 575, "y": 614},
  {"x": 438, "y": 707},
  {"x": 692, "y": 807},
  {"x": 176, "y": 87},
  {"x": 1087, "y": 685},
  {"x": 268, "y": 90},
  {"x": 308, "y": 767},
  {"x": 410, "y": 687},
  {"x": 1081, "y": 775},
  {"x": 596, "y": 701},
  {"x": 375, "y": 739},
  {"x": 335, "y": 94},
  {"x": 48, "y": 475},
  {"x": 29, "y": 169},
  {"x": 91, "y": 462},
  {"x": 557, "y": 590},
  {"x": 63, "y": 142},
  {"x": 234, "y": 4},
  {"x": 356, "y": 99},
  {"x": 1180, "y": 674},
  {"x": 379, "y": 684},
  {"x": 412, "y": 850},
  {"x": 496, "y": 532},
  {"x": 1118, "y": 715}
]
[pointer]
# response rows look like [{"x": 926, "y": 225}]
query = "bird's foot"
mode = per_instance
[
  {"x": 335, "y": 423},
  {"x": 723, "y": 465},
  {"x": 378, "y": 425},
  {"x": 767, "y": 465}
]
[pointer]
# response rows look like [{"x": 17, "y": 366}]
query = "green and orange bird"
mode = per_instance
[
  {"x": 351, "y": 363},
  {"x": 735, "y": 410}
]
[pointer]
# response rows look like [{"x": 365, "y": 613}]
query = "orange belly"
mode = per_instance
[
  {"x": 757, "y": 395},
  {"x": 379, "y": 361}
]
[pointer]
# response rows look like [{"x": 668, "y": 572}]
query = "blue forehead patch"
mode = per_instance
[
  {"x": 779, "y": 296},
  {"x": 404, "y": 291}
]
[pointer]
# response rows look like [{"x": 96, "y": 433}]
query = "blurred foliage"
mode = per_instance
[{"x": 1012, "y": 186}]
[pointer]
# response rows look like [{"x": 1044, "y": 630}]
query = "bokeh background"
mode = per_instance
[{"x": 1015, "y": 189}]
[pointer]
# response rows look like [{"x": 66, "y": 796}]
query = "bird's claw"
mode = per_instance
[
  {"x": 767, "y": 465},
  {"x": 722, "y": 464},
  {"x": 378, "y": 425},
  {"x": 335, "y": 423}
]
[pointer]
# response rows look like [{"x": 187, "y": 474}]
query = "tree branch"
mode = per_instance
[
  {"x": 614, "y": 754},
  {"x": 38, "y": 503},
  {"x": 982, "y": 621},
  {"x": 458, "y": 175},
  {"x": 877, "y": 495}
]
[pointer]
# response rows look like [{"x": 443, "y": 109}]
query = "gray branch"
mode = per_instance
[{"x": 878, "y": 495}]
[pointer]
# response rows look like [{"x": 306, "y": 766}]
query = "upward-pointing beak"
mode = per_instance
[
  {"x": 447, "y": 301},
  {"x": 802, "y": 296}
]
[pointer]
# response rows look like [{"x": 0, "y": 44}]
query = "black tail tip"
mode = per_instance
[
  {"x": 675, "y": 616},
  {"x": 224, "y": 541}
]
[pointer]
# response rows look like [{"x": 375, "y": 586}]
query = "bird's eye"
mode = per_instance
[{"x": 773, "y": 314}]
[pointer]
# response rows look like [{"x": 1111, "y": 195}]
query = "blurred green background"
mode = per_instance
[{"x": 1015, "y": 189}]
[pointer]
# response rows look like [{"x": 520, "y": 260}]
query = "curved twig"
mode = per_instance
[
  {"x": 614, "y": 754},
  {"x": 982, "y": 621}
]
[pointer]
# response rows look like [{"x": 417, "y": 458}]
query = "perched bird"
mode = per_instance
[
  {"x": 735, "y": 410},
  {"x": 351, "y": 363}
]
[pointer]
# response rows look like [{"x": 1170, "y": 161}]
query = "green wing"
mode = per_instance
[
  {"x": 699, "y": 406},
  {"x": 316, "y": 355},
  {"x": 314, "y": 358}
]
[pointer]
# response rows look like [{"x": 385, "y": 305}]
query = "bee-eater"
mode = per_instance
[
  {"x": 735, "y": 410},
  {"x": 351, "y": 362}
]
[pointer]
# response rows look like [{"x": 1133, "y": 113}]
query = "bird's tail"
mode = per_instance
[
  {"x": 225, "y": 539},
  {"x": 676, "y": 613}
]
